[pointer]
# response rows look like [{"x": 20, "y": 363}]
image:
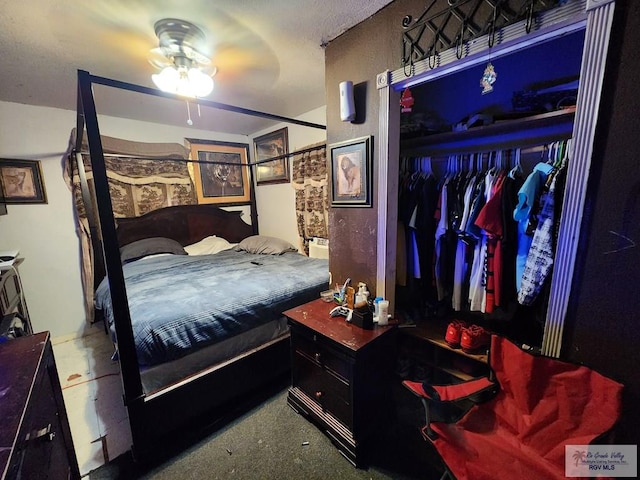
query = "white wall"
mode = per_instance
[
  {"x": 276, "y": 202},
  {"x": 45, "y": 233}
]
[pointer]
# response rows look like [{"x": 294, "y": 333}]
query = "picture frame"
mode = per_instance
[
  {"x": 351, "y": 173},
  {"x": 220, "y": 171},
  {"x": 22, "y": 181},
  {"x": 271, "y": 145}
]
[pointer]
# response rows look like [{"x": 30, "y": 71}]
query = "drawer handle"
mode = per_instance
[
  {"x": 318, "y": 395},
  {"x": 318, "y": 357}
]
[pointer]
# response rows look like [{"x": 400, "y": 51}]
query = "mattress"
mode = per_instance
[
  {"x": 180, "y": 303},
  {"x": 159, "y": 377}
]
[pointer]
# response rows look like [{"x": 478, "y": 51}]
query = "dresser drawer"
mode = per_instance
[
  {"x": 41, "y": 452},
  {"x": 324, "y": 356},
  {"x": 330, "y": 392}
]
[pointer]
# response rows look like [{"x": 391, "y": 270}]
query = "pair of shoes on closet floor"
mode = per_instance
[
  {"x": 470, "y": 338},
  {"x": 454, "y": 333}
]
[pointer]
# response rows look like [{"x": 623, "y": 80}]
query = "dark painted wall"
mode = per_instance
[
  {"x": 603, "y": 320},
  {"x": 359, "y": 55}
]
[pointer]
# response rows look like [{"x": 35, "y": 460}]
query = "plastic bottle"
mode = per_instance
[
  {"x": 363, "y": 293},
  {"x": 376, "y": 308},
  {"x": 383, "y": 312}
]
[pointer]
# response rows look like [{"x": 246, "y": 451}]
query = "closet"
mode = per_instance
[
  {"x": 474, "y": 173},
  {"x": 542, "y": 75}
]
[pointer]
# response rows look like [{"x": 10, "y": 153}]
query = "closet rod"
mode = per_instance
[
  {"x": 208, "y": 103},
  {"x": 524, "y": 150}
]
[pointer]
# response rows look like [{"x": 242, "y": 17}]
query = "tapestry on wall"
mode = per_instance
[
  {"x": 142, "y": 177},
  {"x": 309, "y": 179}
]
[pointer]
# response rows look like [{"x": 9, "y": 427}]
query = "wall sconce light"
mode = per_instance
[{"x": 347, "y": 104}]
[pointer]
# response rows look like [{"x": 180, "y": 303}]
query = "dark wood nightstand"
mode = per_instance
[{"x": 341, "y": 375}]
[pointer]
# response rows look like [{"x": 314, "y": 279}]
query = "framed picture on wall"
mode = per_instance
[
  {"x": 271, "y": 145},
  {"x": 351, "y": 175},
  {"x": 221, "y": 171},
  {"x": 22, "y": 181}
]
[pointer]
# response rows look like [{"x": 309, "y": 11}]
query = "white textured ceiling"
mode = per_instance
[{"x": 268, "y": 54}]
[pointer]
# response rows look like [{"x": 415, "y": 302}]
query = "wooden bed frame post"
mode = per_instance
[{"x": 126, "y": 346}]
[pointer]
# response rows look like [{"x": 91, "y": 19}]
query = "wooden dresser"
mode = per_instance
[
  {"x": 340, "y": 376},
  {"x": 35, "y": 439}
]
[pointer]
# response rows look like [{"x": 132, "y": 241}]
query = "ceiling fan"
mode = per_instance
[{"x": 182, "y": 58}]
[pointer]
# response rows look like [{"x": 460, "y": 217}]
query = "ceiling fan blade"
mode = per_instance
[
  {"x": 158, "y": 58},
  {"x": 196, "y": 56}
]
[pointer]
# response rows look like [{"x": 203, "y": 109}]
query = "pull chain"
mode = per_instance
[{"x": 189, "y": 121}]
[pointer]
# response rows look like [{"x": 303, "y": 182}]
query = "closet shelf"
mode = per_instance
[{"x": 522, "y": 132}]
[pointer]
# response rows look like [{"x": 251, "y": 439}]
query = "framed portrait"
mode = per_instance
[
  {"x": 221, "y": 171},
  {"x": 274, "y": 144},
  {"x": 22, "y": 181},
  {"x": 351, "y": 176}
]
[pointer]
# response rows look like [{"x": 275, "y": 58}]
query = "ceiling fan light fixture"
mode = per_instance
[
  {"x": 166, "y": 79},
  {"x": 202, "y": 83},
  {"x": 187, "y": 83},
  {"x": 180, "y": 51}
]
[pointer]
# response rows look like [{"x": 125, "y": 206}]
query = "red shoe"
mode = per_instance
[
  {"x": 474, "y": 338},
  {"x": 454, "y": 333}
]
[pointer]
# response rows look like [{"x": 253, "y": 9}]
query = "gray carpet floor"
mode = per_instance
[{"x": 272, "y": 441}]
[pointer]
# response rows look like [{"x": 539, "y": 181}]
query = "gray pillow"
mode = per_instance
[
  {"x": 150, "y": 246},
  {"x": 265, "y": 245}
]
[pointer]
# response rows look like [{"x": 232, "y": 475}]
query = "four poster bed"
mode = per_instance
[{"x": 193, "y": 298}]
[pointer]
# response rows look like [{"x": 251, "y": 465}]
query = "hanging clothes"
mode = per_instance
[
  {"x": 490, "y": 219},
  {"x": 466, "y": 238},
  {"x": 475, "y": 235},
  {"x": 464, "y": 250},
  {"x": 528, "y": 198},
  {"x": 441, "y": 250},
  {"x": 416, "y": 225},
  {"x": 540, "y": 258}
]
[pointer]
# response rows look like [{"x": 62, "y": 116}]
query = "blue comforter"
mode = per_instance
[{"x": 178, "y": 302}]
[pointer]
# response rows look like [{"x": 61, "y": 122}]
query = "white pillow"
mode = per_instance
[{"x": 209, "y": 246}]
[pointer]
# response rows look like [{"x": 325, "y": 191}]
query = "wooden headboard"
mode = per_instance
[{"x": 186, "y": 224}]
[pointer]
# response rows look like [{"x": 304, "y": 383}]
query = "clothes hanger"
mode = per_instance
[
  {"x": 565, "y": 157},
  {"x": 471, "y": 171},
  {"x": 561, "y": 155},
  {"x": 545, "y": 165},
  {"x": 498, "y": 160},
  {"x": 491, "y": 163},
  {"x": 516, "y": 171},
  {"x": 425, "y": 167}
]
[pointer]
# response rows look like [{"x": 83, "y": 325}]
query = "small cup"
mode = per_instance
[{"x": 327, "y": 295}]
